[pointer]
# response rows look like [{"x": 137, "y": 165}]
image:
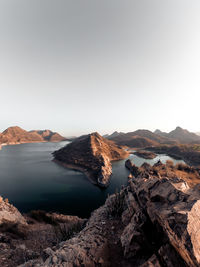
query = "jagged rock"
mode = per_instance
[
  {"x": 158, "y": 163},
  {"x": 9, "y": 214},
  {"x": 146, "y": 166},
  {"x": 91, "y": 154},
  {"x": 152, "y": 262},
  {"x": 128, "y": 164},
  {"x": 157, "y": 225},
  {"x": 43, "y": 231}
]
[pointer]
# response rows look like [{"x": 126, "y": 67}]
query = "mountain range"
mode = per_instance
[
  {"x": 16, "y": 135},
  {"x": 144, "y": 138},
  {"x": 182, "y": 136}
]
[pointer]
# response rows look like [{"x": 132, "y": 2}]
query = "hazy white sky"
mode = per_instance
[{"x": 79, "y": 66}]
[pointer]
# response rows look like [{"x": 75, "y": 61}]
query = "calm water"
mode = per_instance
[{"x": 30, "y": 180}]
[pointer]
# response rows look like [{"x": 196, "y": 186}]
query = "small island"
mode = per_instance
[{"x": 145, "y": 154}]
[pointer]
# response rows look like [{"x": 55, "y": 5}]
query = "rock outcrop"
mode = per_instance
[
  {"x": 153, "y": 221},
  {"x": 9, "y": 214},
  {"x": 91, "y": 154}
]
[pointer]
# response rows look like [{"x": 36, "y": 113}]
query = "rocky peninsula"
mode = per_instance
[{"x": 91, "y": 154}]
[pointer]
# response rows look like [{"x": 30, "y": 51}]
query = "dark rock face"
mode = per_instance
[
  {"x": 91, "y": 154},
  {"x": 151, "y": 222}
]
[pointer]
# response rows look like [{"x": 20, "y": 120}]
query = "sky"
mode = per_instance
[{"x": 77, "y": 66}]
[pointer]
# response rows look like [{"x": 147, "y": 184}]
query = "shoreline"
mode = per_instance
[
  {"x": 31, "y": 142},
  {"x": 87, "y": 173}
]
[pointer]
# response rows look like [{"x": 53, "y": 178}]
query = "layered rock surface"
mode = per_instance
[
  {"x": 91, "y": 154},
  {"x": 154, "y": 221}
]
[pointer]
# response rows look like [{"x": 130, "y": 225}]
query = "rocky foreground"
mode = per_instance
[
  {"x": 91, "y": 154},
  {"x": 154, "y": 221},
  {"x": 33, "y": 235}
]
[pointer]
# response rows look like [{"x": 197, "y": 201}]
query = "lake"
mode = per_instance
[{"x": 31, "y": 180}]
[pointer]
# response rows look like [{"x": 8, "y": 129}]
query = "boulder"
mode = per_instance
[{"x": 10, "y": 214}]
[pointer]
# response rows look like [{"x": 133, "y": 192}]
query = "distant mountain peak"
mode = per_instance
[
  {"x": 178, "y": 128},
  {"x": 49, "y": 135},
  {"x": 184, "y": 136},
  {"x": 95, "y": 134},
  {"x": 157, "y": 131},
  {"x": 14, "y": 129}
]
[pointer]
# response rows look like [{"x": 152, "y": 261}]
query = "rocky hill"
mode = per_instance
[
  {"x": 114, "y": 134},
  {"x": 159, "y": 132},
  {"x": 49, "y": 136},
  {"x": 181, "y": 135},
  {"x": 141, "y": 138},
  {"x": 154, "y": 221},
  {"x": 17, "y": 135},
  {"x": 91, "y": 154}
]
